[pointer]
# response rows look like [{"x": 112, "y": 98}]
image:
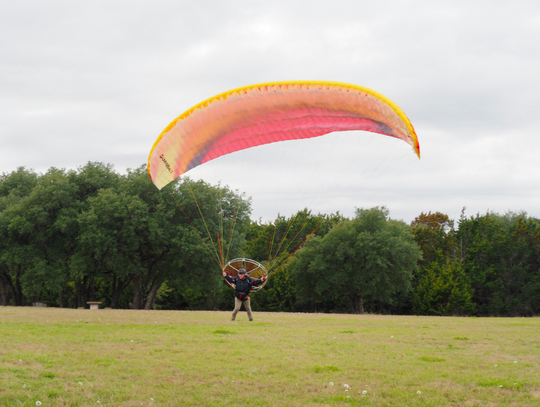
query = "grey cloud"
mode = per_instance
[{"x": 98, "y": 81}]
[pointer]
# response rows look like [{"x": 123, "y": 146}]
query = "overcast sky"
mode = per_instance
[{"x": 100, "y": 80}]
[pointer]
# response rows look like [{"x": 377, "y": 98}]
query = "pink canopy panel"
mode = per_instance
[{"x": 267, "y": 113}]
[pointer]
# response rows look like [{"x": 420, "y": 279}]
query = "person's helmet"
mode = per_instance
[{"x": 242, "y": 271}]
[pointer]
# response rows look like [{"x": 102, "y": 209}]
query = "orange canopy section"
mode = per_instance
[{"x": 267, "y": 113}]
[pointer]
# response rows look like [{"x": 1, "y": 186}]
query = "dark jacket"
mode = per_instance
[{"x": 242, "y": 287}]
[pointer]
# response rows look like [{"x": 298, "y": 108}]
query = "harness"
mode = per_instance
[{"x": 243, "y": 288}]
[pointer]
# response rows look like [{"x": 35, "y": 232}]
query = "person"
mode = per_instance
[{"x": 242, "y": 288}]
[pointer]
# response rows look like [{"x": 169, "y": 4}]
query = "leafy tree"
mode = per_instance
[
  {"x": 139, "y": 238},
  {"x": 16, "y": 184},
  {"x": 434, "y": 233},
  {"x": 38, "y": 224},
  {"x": 273, "y": 244},
  {"x": 220, "y": 218},
  {"x": 43, "y": 229},
  {"x": 14, "y": 187},
  {"x": 219, "y": 215},
  {"x": 501, "y": 259},
  {"x": 94, "y": 234},
  {"x": 279, "y": 293},
  {"x": 443, "y": 290},
  {"x": 370, "y": 258},
  {"x": 110, "y": 235},
  {"x": 523, "y": 277},
  {"x": 269, "y": 241}
]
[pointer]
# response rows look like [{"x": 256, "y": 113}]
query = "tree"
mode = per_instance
[
  {"x": 218, "y": 219},
  {"x": 42, "y": 240},
  {"x": 434, "y": 233},
  {"x": 138, "y": 238},
  {"x": 500, "y": 255},
  {"x": 219, "y": 215},
  {"x": 370, "y": 258},
  {"x": 274, "y": 244},
  {"x": 45, "y": 226},
  {"x": 269, "y": 241},
  {"x": 443, "y": 290},
  {"x": 14, "y": 187},
  {"x": 279, "y": 293},
  {"x": 109, "y": 237}
]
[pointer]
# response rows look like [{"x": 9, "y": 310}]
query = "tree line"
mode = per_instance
[
  {"x": 92, "y": 234},
  {"x": 69, "y": 237}
]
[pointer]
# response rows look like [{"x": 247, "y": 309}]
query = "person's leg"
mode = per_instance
[
  {"x": 247, "y": 306},
  {"x": 237, "y": 305}
]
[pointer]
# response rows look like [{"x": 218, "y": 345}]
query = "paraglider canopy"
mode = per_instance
[{"x": 270, "y": 112}]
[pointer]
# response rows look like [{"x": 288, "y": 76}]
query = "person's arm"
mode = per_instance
[
  {"x": 258, "y": 281},
  {"x": 228, "y": 278}
]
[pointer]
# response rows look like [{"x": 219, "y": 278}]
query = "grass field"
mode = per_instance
[{"x": 66, "y": 357}]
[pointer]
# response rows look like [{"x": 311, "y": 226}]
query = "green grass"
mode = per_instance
[
  {"x": 321, "y": 369},
  {"x": 224, "y": 332},
  {"x": 64, "y": 357},
  {"x": 431, "y": 359}
]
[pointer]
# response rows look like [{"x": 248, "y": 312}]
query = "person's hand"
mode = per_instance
[
  {"x": 263, "y": 278},
  {"x": 223, "y": 274}
]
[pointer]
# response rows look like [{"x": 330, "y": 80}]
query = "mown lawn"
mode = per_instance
[{"x": 65, "y": 357}]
